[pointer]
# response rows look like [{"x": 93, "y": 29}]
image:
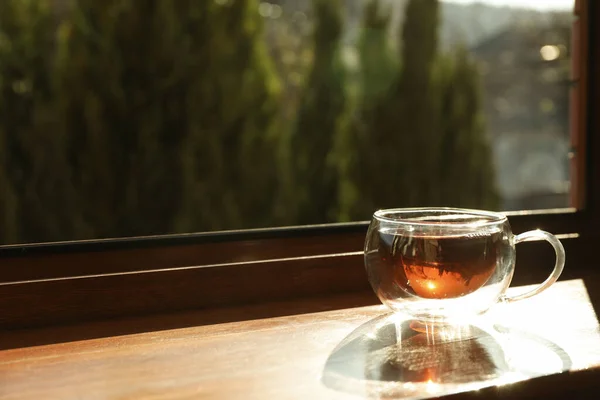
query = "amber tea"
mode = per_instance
[{"x": 440, "y": 267}]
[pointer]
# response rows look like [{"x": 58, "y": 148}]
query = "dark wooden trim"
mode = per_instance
[
  {"x": 63, "y": 301},
  {"x": 92, "y": 258},
  {"x": 578, "y": 100},
  {"x": 70, "y": 300},
  {"x": 592, "y": 166},
  {"x": 85, "y": 263},
  {"x": 162, "y": 241}
]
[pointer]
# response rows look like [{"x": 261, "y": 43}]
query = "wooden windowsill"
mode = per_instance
[{"x": 329, "y": 352}]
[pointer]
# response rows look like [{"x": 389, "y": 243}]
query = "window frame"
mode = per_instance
[{"x": 57, "y": 283}]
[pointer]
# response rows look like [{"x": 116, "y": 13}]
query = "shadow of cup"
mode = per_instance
[{"x": 391, "y": 356}]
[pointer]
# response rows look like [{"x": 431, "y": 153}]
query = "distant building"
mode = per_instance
[{"x": 525, "y": 73}]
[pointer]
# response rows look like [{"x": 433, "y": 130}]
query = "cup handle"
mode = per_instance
[{"x": 558, "y": 267}]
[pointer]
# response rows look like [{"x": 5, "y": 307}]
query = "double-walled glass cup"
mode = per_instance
[{"x": 436, "y": 264}]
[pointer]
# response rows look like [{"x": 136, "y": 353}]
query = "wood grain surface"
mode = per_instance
[{"x": 350, "y": 353}]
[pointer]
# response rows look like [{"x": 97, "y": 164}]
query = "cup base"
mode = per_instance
[{"x": 439, "y": 331}]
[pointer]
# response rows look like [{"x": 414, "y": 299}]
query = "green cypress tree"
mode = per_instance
[
  {"x": 467, "y": 176},
  {"x": 396, "y": 134},
  {"x": 378, "y": 62},
  {"x": 134, "y": 118},
  {"x": 358, "y": 148},
  {"x": 231, "y": 158},
  {"x": 123, "y": 78},
  {"x": 415, "y": 99},
  {"x": 423, "y": 142},
  {"x": 39, "y": 195},
  {"x": 11, "y": 111},
  {"x": 169, "y": 112},
  {"x": 258, "y": 139},
  {"x": 320, "y": 118}
]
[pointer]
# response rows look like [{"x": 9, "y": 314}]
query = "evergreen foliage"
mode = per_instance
[{"x": 138, "y": 117}]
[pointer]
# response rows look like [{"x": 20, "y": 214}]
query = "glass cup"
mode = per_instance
[{"x": 438, "y": 264}]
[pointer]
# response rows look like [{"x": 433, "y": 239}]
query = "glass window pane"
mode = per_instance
[{"x": 130, "y": 118}]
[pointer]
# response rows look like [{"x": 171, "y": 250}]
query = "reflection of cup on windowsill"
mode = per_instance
[
  {"x": 386, "y": 357},
  {"x": 439, "y": 264}
]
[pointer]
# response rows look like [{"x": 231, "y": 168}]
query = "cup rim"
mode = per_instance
[{"x": 492, "y": 218}]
